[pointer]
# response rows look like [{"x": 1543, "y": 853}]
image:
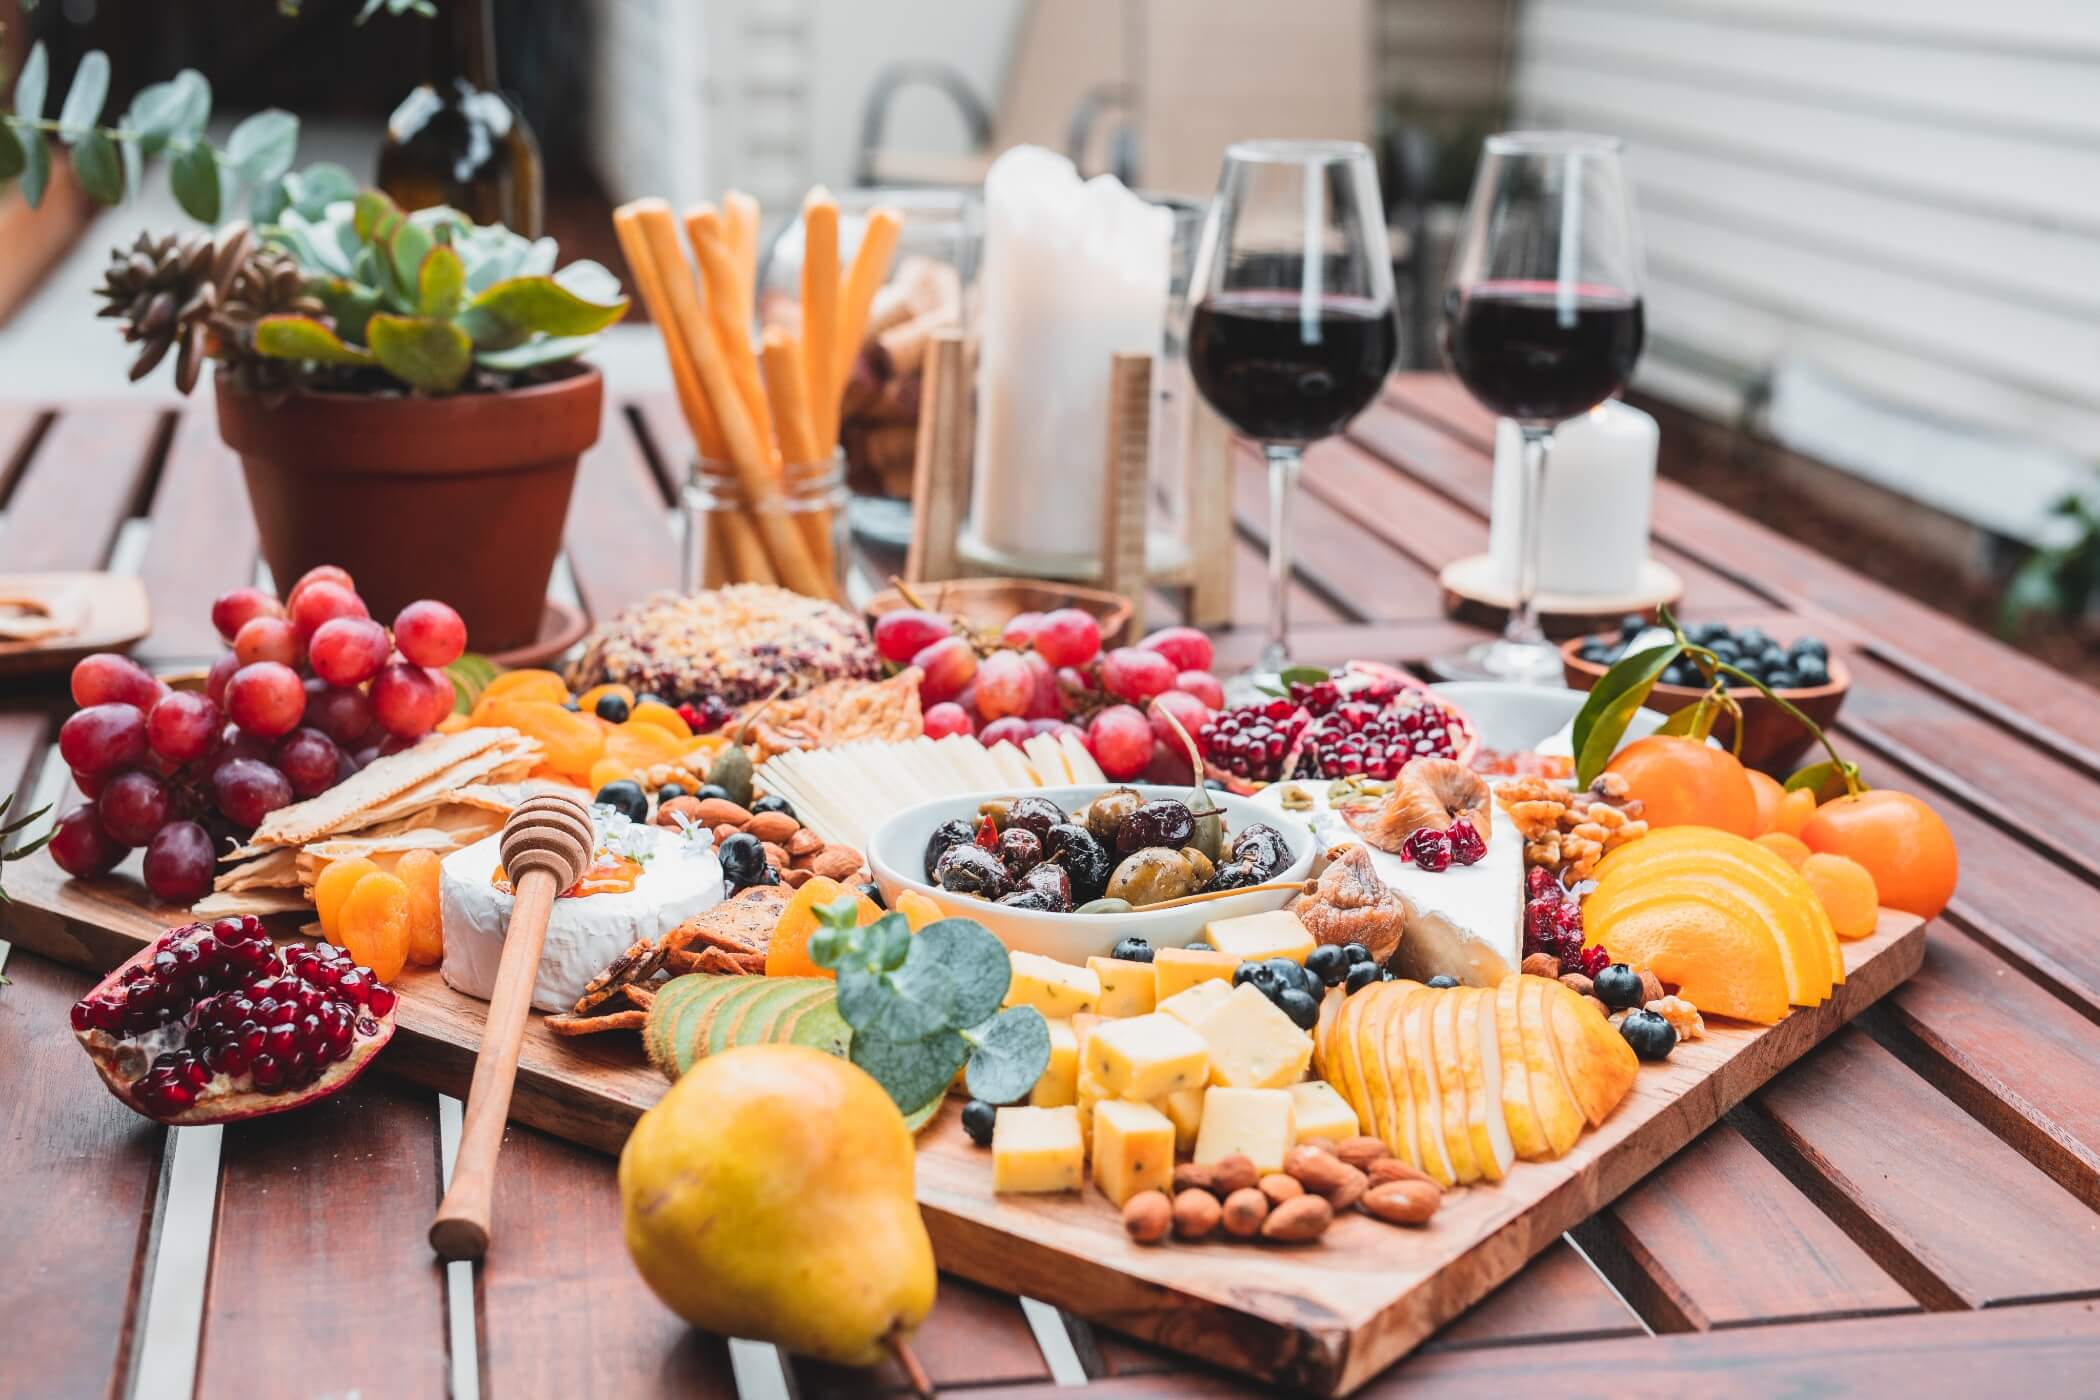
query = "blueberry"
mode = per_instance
[
  {"x": 1782, "y": 678},
  {"x": 707, "y": 790},
  {"x": 669, "y": 791},
  {"x": 611, "y": 708},
  {"x": 1357, "y": 952},
  {"x": 1596, "y": 652},
  {"x": 1248, "y": 972},
  {"x": 1132, "y": 950},
  {"x": 1286, "y": 972},
  {"x": 1726, "y": 650},
  {"x": 1809, "y": 646},
  {"x": 1811, "y": 671},
  {"x": 1632, "y": 625},
  {"x": 1327, "y": 962},
  {"x": 979, "y": 1118},
  {"x": 872, "y": 893},
  {"x": 772, "y": 803},
  {"x": 626, "y": 798},
  {"x": 1199, "y": 946},
  {"x": 1651, "y": 1037},
  {"x": 1619, "y": 987},
  {"x": 1441, "y": 981},
  {"x": 1300, "y": 1007},
  {"x": 1753, "y": 639},
  {"x": 1362, "y": 975}
]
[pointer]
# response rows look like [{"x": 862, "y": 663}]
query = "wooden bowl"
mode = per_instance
[
  {"x": 1772, "y": 740},
  {"x": 985, "y": 604}
]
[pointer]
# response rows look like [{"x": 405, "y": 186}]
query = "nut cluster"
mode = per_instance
[
  {"x": 1569, "y": 832},
  {"x": 798, "y": 853},
  {"x": 1319, "y": 1180},
  {"x": 1682, "y": 1015}
]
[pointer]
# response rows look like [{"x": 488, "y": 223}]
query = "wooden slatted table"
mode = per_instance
[{"x": 1914, "y": 1208}]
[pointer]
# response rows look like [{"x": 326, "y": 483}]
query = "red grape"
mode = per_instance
[
  {"x": 1075, "y": 682},
  {"x": 320, "y": 573},
  {"x": 309, "y": 761},
  {"x": 230, "y": 611},
  {"x": 1010, "y": 730},
  {"x": 1204, "y": 686},
  {"x": 266, "y": 639},
  {"x": 315, "y": 603},
  {"x": 430, "y": 633},
  {"x": 80, "y": 846},
  {"x": 103, "y": 738},
  {"x": 1120, "y": 740},
  {"x": 1020, "y": 629},
  {"x": 344, "y": 715},
  {"x": 107, "y": 678},
  {"x": 90, "y": 784},
  {"x": 134, "y": 805},
  {"x": 366, "y": 754},
  {"x": 182, "y": 726},
  {"x": 903, "y": 634},
  {"x": 395, "y": 743},
  {"x": 221, "y": 672},
  {"x": 1136, "y": 675},
  {"x": 348, "y": 650},
  {"x": 1192, "y": 713},
  {"x": 1186, "y": 647},
  {"x": 949, "y": 665},
  {"x": 179, "y": 861},
  {"x": 236, "y": 742},
  {"x": 266, "y": 698},
  {"x": 1056, "y": 728},
  {"x": 248, "y": 789},
  {"x": 1169, "y": 765},
  {"x": 1005, "y": 685},
  {"x": 1046, "y": 703},
  {"x": 1068, "y": 637},
  {"x": 946, "y": 718},
  {"x": 409, "y": 700}
]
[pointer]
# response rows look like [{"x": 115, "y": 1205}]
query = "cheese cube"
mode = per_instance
[
  {"x": 1145, "y": 1057},
  {"x": 1185, "y": 1108},
  {"x": 1060, "y": 1082},
  {"x": 1127, "y": 988},
  {"x": 1133, "y": 1149},
  {"x": 1256, "y": 1122},
  {"x": 1088, "y": 1093},
  {"x": 1082, "y": 1026},
  {"x": 1253, "y": 1045},
  {"x": 1193, "y": 1004},
  {"x": 1317, "y": 1111},
  {"x": 1275, "y": 933},
  {"x": 1181, "y": 968},
  {"x": 1052, "y": 987},
  {"x": 1037, "y": 1149}
]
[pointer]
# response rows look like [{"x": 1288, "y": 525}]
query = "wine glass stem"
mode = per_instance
[
  {"x": 1523, "y": 624},
  {"x": 1283, "y": 485}
]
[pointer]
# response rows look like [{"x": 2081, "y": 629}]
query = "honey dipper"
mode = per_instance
[{"x": 546, "y": 847}]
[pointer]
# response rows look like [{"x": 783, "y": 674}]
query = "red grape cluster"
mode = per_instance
[{"x": 312, "y": 690}]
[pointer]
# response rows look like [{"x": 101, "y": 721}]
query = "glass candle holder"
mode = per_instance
[{"x": 726, "y": 541}]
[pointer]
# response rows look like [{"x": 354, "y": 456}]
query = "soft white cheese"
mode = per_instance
[{"x": 680, "y": 878}]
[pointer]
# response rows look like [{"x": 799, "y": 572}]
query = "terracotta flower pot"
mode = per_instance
[{"x": 458, "y": 498}]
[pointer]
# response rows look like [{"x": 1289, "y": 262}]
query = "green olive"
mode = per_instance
[
  {"x": 1106, "y": 906},
  {"x": 1152, "y": 875},
  {"x": 1199, "y": 863},
  {"x": 995, "y": 809},
  {"x": 1106, "y": 813}
]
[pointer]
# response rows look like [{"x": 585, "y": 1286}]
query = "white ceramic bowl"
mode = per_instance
[
  {"x": 1520, "y": 718},
  {"x": 897, "y": 855}
]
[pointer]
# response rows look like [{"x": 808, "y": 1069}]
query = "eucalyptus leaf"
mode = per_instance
[
  {"x": 911, "y": 1073},
  {"x": 262, "y": 146},
  {"x": 540, "y": 350},
  {"x": 302, "y": 338},
  {"x": 134, "y": 162},
  {"x": 194, "y": 110},
  {"x": 155, "y": 114},
  {"x": 11, "y": 158},
  {"x": 95, "y": 162},
  {"x": 322, "y": 184},
  {"x": 874, "y": 1004},
  {"x": 972, "y": 959},
  {"x": 31, "y": 85},
  {"x": 430, "y": 355},
  {"x": 1619, "y": 692},
  {"x": 36, "y": 167},
  {"x": 269, "y": 203},
  {"x": 440, "y": 282},
  {"x": 194, "y": 177},
  {"x": 84, "y": 99},
  {"x": 1008, "y": 1055}
]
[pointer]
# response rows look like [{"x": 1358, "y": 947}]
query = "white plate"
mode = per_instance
[
  {"x": 897, "y": 855},
  {"x": 1528, "y": 718}
]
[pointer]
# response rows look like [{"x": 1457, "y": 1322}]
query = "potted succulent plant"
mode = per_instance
[{"x": 402, "y": 389}]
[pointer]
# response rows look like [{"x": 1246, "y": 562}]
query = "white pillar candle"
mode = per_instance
[{"x": 1600, "y": 482}]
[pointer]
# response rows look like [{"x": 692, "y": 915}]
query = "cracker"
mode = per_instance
[
  {"x": 381, "y": 781},
  {"x": 232, "y": 904},
  {"x": 574, "y": 1025},
  {"x": 272, "y": 870}
]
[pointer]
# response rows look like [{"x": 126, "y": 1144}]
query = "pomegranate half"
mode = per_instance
[{"x": 210, "y": 1023}]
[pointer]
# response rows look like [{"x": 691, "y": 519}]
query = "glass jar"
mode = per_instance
[{"x": 725, "y": 541}]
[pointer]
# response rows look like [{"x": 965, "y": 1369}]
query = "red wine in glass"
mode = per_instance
[
  {"x": 1281, "y": 375},
  {"x": 1539, "y": 353}
]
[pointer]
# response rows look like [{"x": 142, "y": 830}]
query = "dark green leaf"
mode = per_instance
[
  {"x": 134, "y": 165},
  {"x": 85, "y": 97},
  {"x": 540, "y": 350},
  {"x": 262, "y": 146},
  {"x": 36, "y": 167},
  {"x": 433, "y": 356},
  {"x": 440, "y": 282},
  {"x": 1619, "y": 692},
  {"x": 912, "y": 1073},
  {"x": 541, "y": 304},
  {"x": 1694, "y": 721},
  {"x": 194, "y": 177},
  {"x": 302, "y": 338},
  {"x": 30, "y": 87},
  {"x": 1824, "y": 779},
  {"x": 11, "y": 158},
  {"x": 971, "y": 959},
  {"x": 95, "y": 162},
  {"x": 1301, "y": 675},
  {"x": 1008, "y": 1055},
  {"x": 874, "y": 1003},
  {"x": 349, "y": 304}
]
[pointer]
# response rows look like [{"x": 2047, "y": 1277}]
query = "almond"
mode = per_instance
[
  {"x": 1388, "y": 1169},
  {"x": 1234, "y": 1173},
  {"x": 1577, "y": 983},
  {"x": 1358, "y": 1152},
  {"x": 772, "y": 827},
  {"x": 1196, "y": 1214},
  {"x": 1403, "y": 1202},
  {"x": 1298, "y": 1220},
  {"x": 1325, "y": 1175},
  {"x": 836, "y": 862},
  {"x": 1651, "y": 987},
  {"x": 1602, "y": 1010},
  {"x": 1541, "y": 965},
  {"x": 1244, "y": 1211},
  {"x": 1279, "y": 1187},
  {"x": 723, "y": 831},
  {"x": 796, "y": 879},
  {"x": 667, "y": 813},
  {"x": 776, "y": 857},
  {"x": 714, "y": 811},
  {"x": 1196, "y": 1176},
  {"x": 804, "y": 842},
  {"x": 1147, "y": 1215}
]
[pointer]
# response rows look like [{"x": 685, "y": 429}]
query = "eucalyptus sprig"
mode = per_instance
[
  {"x": 1623, "y": 689},
  {"x": 925, "y": 1005}
]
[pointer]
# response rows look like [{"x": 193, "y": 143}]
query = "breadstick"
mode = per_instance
[
  {"x": 728, "y": 311},
  {"x": 747, "y": 453},
  {"x": 740, "y": 213},
  {"x": 783, "y": 359},
  {"x": 820, "y": 313},
  {"x": 871, "y": 263}
]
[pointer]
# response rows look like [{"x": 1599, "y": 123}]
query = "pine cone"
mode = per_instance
[
  {"x": 268, "y": 282},
  {"x": 165, "y": 291}
]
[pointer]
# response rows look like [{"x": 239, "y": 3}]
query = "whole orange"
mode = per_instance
[
  {"x": 1902, "y": 842},
  {"x": 1683, "y": 782}
]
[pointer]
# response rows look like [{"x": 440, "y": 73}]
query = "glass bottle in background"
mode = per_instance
[{"x": 457, "y": 140}]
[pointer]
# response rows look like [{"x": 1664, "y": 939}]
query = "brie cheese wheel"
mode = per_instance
[
  {"x": 680, "y": 878},
  {"x": 1466, "y": 922}
]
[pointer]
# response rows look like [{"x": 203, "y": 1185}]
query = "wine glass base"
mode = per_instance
[{"x": 1515, "y": 663}]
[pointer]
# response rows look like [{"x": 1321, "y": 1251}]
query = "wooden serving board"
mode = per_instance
[{"x": 1322, "y": 1318}]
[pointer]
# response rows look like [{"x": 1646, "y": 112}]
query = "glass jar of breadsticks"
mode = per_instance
[
  {"x": 928, "y": 287},
  {"x": 722, "y": 539}
]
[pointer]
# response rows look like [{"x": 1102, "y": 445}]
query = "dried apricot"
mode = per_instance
[
  {"x": 334, "y": 884},
  {"x": 419, "y": 870},
  {"x": 787, "y": 952},
  {"x": 373, "y": 920},
  {"x": 917, "y": 909},
  {"x": 523, "y": 685},
  {"x": 1791, "y": 849},
  {"x": 610, "y": 770},
  {"x": 661, "y": 715},
  {"x": 642, "y": 745},
  {"x": 1847, "y": 890},
  {"x": 570, "y": 742}
]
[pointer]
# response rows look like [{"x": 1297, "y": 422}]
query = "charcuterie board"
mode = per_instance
[{"x": 1323, "y": 1318}]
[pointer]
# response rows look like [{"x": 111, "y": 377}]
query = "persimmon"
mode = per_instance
[
  {"x": 1847, "y": 892},
  {"x": 1769, "y": 794},
  {"x": 1684, "y": 782},
  {"x": 1903, "y": 844},
  {"x": 1795, "y": 808}
]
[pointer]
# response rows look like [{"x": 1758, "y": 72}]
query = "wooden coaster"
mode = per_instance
[
  {"x": 1473, "y": 594},
  {"x": 99, "y": 612}
]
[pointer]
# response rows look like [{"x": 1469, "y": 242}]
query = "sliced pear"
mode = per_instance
[
  {"x": 1600, "y": 1064},
  {"x": 1560, "y": 1115},
  {"x": 1347, "y": 1063},
  {"x": 1323, "y": 1034},
  {"x": 1472, "y": 1073},
  {"x": 1451, "y": 1084},
  {"x": 1370, "y": 1042},
  {"x": 1518, "y": 1115},
  {"x": 1501, "y": 1149},
  {"x": 1422, "y": 1080},
  {"x": 1399, "y": 1084}
]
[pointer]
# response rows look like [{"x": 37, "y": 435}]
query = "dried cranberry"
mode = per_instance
[
  {"x": 1466, "y": 845},
  {"x": 1429, "y": 848}
]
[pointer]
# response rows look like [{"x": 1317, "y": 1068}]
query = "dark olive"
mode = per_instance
[
  {"x": 1029, "y": 897},
  {"x": 669, "y": 791},
  {"x": 1264, "y": 848},
  {"x": 1233, "y": 875},
  {"x": 1163, "y": 822},
  {"x": 1086, "y": 860},
  {"x": 953, "y": 832},
  {"x": 1152, "y": 876},
  {"x": 970, "y": 869},
  {"x": 1053, "y": 881},
  {"x": 978, "y": 1120},
  {"x": 1036, "y": 814},
  {"x": 624, "y": 797},
  {"x": 743, "y": 856},
  {"x": 1020, "y": 848},
  {"x": 773, "y": 802},
  {"x": 872, "y": 893},
  {"x": 1106, "y": 812}
]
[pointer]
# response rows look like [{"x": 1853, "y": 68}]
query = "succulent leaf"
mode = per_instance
[
  {"x": 303, "y": 338},
  {"x": 531, "y": 354},
  {"x": 440, "y": 283},
  {"x": 544, "y": 305},
  {"x": 407, "y": 246},
  {"x": 367, "y": 210},
  {"x": 349, "y": 305},
  {"x": 426, "y": 354}
]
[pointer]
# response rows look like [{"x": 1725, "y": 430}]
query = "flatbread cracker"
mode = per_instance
[
  {"x": 271, "y": 870},
  {"x": 384, "y": 779},
  {"x": 231, "y": 904}
]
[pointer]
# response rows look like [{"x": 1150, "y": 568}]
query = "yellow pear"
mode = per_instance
[{"x": 769, "y": 1195}]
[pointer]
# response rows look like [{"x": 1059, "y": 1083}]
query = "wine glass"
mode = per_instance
[
  {"x": 1542, "y": 322},
  {"x": 1292, "y": 331}
]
